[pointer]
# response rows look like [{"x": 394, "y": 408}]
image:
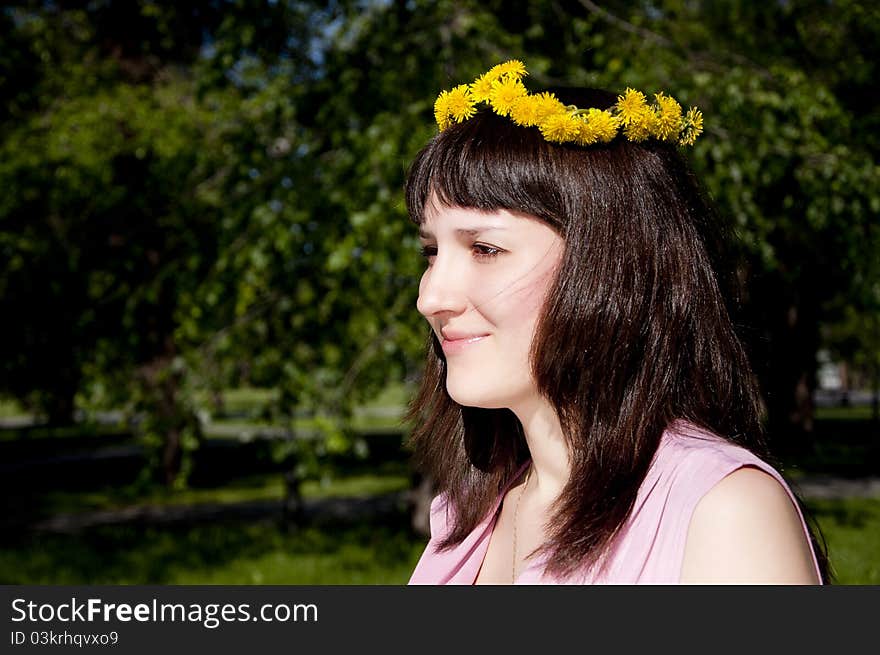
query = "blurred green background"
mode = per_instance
[{"x": 208, "y": 331}]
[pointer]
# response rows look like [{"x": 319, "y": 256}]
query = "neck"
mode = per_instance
[{"x": 550, "y": 461}]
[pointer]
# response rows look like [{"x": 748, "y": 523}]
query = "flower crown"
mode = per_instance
[{"x": 501, "y": 88}]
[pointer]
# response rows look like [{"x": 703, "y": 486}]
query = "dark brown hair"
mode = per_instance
[{"x": 635, "y": 333}]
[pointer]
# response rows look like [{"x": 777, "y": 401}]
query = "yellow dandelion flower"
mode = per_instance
[
  {"x": 669, "y": 119},
  {"x": 460, "y": 104},
  {"x": 603, "y": 124},
  {"x": 586, "y": 135},
  {"x": 560, "y": 128},
  {"x": 501, "y": 87},
  {"x": 513, "y": 68},
  {"x": 441, "y": 110},
  {"x": 505, "y": 92},
  {"x": 692, "y": 127},
  {"x": 525, "y": 111},
  {"x": 494, "y": 72},
  {"x": 641, "y": 126},
  {"x": 481, "y": 87},
  {"x": 632, "y": 106},
  {"x": 546, "y": 105}
]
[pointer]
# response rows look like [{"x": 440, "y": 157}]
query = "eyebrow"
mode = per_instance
[{"x": 470, "y": 231}]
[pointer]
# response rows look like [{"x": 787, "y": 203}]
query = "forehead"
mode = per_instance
[{"x": 445, "y": 220}]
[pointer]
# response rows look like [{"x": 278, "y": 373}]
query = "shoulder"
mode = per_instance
[
  {"x": 735, "y": 518},
  {"x": 690, "y": 461},
  {"x": 695, "y": 460},
  {"x": 747, "y": 530}
]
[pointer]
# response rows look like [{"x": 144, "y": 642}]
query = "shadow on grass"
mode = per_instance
[
  {"x": 225, "y": 552},
  {"x": 856, "y": 514}
]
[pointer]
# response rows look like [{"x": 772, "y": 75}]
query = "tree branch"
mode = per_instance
[
  {"x": 698, "y": 58},
  {"x": 607, "y": 16}
]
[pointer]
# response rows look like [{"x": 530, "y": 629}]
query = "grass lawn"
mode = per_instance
[
  {"x": 852, "y": 531},
  {"x": 220, "y": 553},
  {"x": 9, "y": 407},
  {"x": 249, "y": 488},
  {"x": 851, "y": 413}
]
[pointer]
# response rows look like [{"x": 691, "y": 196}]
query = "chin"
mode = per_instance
[{"x": 475, "y": 394}]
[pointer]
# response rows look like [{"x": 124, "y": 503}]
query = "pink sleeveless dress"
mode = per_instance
[{"x": 650, "y": 546}]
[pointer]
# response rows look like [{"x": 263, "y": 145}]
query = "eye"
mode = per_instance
[{"x": 482, "y": 251}]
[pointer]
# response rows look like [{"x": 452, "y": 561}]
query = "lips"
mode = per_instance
[{"x": 454, "y": 341}]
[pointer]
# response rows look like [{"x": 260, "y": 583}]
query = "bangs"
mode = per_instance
[{"x": 490, "y": 163}]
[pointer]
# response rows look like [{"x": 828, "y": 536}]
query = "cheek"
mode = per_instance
[{"x": 524, "y": 302}]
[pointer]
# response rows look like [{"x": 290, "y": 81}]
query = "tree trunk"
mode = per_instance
[
  {"x": 789, "y": 376},
  {"x": 173, "y": 416},
  {"x": 60, "y": 406},
  {"x": 172, "y": 456},
  {"x": 292, "y": 507},
  {"x": 162, "y": 385},
  {"x": 783, "y": 354}
]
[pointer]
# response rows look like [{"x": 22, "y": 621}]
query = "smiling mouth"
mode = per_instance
[{"x": 455, "y": 345}]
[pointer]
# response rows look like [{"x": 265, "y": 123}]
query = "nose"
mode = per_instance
[{"x": 441, "y": 290}]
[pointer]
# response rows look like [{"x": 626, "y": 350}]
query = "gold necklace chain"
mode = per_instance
[{"x": 515, "y": 514}]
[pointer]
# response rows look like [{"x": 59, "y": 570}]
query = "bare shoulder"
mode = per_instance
[{"x": 746, "y": 530}]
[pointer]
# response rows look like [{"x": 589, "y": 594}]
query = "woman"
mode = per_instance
[{"x": 587, "y": 411}]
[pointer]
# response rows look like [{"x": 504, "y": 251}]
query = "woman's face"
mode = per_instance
[{"x": 482, "y": 292}]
